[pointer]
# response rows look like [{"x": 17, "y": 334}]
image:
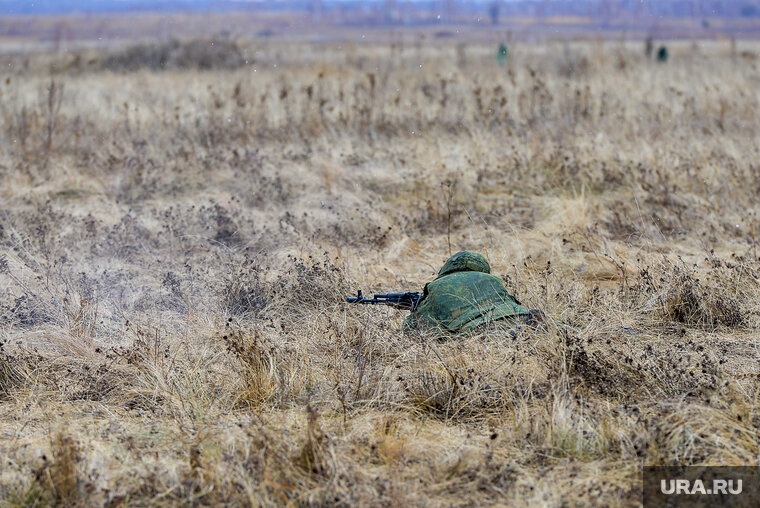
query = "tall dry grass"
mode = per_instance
[{"x": 176, "y": 245}]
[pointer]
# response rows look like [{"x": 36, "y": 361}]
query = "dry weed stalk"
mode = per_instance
[
  {"x": 58, "y": 476},
  {"x": 314, "y": 455},
  {"x": 258, "y": 367}
]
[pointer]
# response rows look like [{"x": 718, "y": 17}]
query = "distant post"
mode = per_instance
[
  {"x": 662, "y": 54},
  {"x": 462, "y": 55},
  {"x": 501, "y": 55}
]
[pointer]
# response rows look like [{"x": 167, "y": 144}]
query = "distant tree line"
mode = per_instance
[{"x": 494, "y": 10}]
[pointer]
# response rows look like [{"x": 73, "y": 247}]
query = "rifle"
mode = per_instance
[{"x": 407, "y": 301}]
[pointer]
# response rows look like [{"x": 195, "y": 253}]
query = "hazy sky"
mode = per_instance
[{"x": 63, "y": 6}]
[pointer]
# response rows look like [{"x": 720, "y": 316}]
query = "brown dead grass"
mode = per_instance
[{"x": 176, "y": 246}]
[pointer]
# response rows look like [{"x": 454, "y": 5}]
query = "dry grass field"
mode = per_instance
[{"x": 176, "y": 244}]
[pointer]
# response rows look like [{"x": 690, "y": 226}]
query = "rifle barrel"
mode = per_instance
[
  {"x": 365, "y": 300},
  {"x": 399, "y": 300}
]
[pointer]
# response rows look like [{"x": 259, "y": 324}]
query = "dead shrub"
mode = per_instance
[
  {"x": 26, "y": 312},
  {"x": 593, "y": 371},
  {"x": 98, "y": 384},
  {"x": 305, "y": 287},
  {"x": 147, "y": 361},
  {"x": 391, "y": 444},
  {"x": 58, "y": 475},
  {"x": 573, "y": 65},
  {"x": 690, "y": 301},
  {"x": 244, "y": 292},
  {"x": 313, "y": 456},
  {"x": 314, "y": 282},
  {"x": 10, "y": 375},
  {"x": 258, "y": 367},
  {"x": 175, "y": 54},
  {"x": 433, "y": 391},
  {"x": 464, "y": 392}
]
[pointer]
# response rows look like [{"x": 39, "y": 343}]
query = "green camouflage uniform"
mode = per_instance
[{"x": 463, "y": 296}]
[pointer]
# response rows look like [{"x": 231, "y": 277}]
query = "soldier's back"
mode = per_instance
[{"x": 461, "y": 301}]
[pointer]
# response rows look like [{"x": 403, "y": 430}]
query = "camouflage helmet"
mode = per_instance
[{"x": 465, "y": 261}]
